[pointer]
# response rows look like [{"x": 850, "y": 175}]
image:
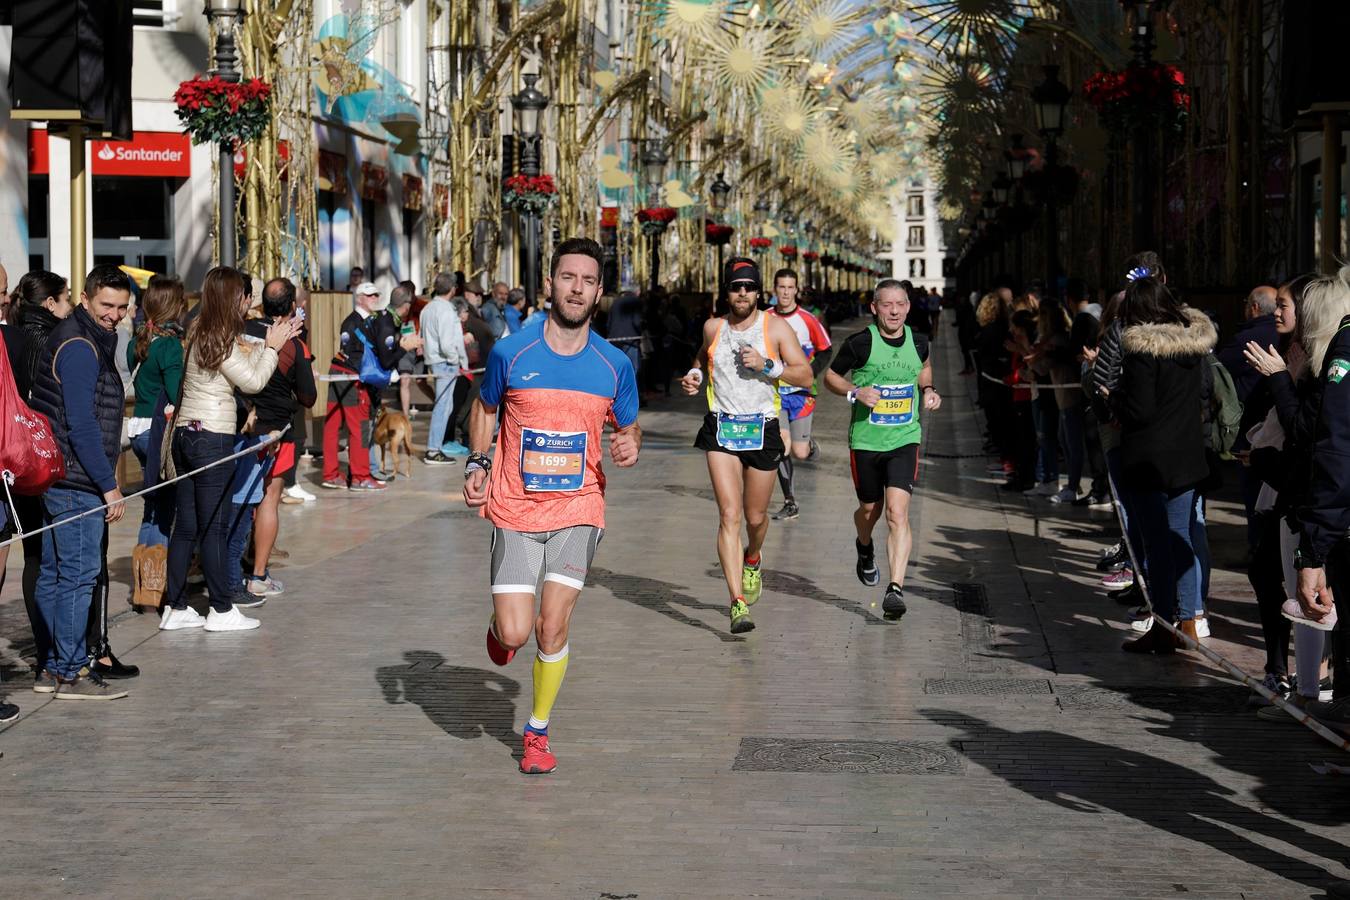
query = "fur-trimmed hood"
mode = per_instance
[{"x": 1170, "y": 341}]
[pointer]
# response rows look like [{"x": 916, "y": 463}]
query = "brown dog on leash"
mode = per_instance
[{"x": 393, "y": 430}]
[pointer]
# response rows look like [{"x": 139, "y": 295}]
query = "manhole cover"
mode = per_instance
[
  {"x": 971, "y": 598},
  {"x": 1214, "y": 700},
  {"x": 759, "y": 754},
  {"x": 993, "y": 687}
]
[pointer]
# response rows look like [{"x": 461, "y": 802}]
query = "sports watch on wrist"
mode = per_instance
[
  {"x": 477, "y": 461},
  {"x": 1306, "y": 561}
]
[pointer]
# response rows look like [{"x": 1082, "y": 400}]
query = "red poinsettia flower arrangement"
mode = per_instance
[
  {"x": 760, "y": 243},
  {"x": 214, "y": 110},
  {"x": 717, "y": 235},
  {"x": 1139, "y": 96},
  {"x": 654, "y": 219},
  {"x": 810, "y": 256},
  {"x": 530, "y": 193},
  {"x": 788, "y": 250}
]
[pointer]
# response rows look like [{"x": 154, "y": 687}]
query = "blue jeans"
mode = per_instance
[
  {"x": 202, "y": 518},
  {"x": 1166, "y": 521},
  {"x": 1200, "y": 541},
  {"x": 72, "y": 558},
  {"x": 157, "y": 515},
  {"x": 1045, "y": 413},
  {"x": 240, "y": 528},
  {"x": 1072, "y": 436},
  {"x": 445, "y": 402},
  {"x": 1127, "y": 509}
]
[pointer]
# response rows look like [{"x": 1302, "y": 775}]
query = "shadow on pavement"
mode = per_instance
[
  {"x": 463, "y": 702},
  {"x": 661, "y": 597},
  {"x": 1088, "y": 777}
]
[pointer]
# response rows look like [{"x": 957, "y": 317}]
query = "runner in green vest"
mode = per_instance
[{"x": 885, "y": 372}]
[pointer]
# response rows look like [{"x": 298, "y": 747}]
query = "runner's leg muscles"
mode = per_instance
[
  {"x": 515, "y": 618},
  {"x": 865, "y": 519},
  {"x": 758, "y": 490},
  {"x": 900, "y": 541},
  {"x": 727, "y": 475}
]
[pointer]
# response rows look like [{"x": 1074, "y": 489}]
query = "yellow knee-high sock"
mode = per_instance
[{"x": 549, "y": 669}]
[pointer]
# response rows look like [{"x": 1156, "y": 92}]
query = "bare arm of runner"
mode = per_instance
[
  {"x": 476, "y": 483},
  {"x": 779, "y": 334},
  {"x": 624, "y": 444},
  {"x": 931, "y": 398},
  {"x": 693, "y": 379}
]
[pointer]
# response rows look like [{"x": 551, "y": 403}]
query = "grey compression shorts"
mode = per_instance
[
  {"x": 799, "y": 430},
  {"x": 519, "y": 558}
]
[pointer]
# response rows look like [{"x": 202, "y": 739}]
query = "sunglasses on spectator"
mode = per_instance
[{"x": 746, "y": 286}]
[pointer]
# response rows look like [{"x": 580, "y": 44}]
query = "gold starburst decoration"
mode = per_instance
[
  {"x": 789, "y": 113},
  {"x": 744, "y": 60},
  {"x": 695, "y": 21},
  {"x": 823, "y": 26}
]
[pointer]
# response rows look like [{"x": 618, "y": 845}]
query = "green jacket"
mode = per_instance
[{"x": 162, "y": 370}]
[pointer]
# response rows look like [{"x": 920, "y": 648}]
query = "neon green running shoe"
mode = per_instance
[
  {"x": 740, "y": 618},
  {"x": 751, "y": 584}
]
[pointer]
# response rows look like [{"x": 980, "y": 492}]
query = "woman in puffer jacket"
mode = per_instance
[
  {"x": 218, "y": 361},
  {"x": 1158, "y": 404}
]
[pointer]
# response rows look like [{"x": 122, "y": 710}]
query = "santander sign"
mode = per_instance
[{"x": 149, "y": 154}]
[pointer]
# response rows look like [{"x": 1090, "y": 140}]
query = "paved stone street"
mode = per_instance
[{"x": 995, "y": 743}]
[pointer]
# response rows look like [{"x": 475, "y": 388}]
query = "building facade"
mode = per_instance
[{"x": 918, "y": 249}]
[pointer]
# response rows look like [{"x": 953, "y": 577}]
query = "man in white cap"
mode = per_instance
[{"x": 350, "y": 403}]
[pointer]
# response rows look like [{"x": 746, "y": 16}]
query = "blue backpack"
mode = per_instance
[{"x": 371, "y": 372}]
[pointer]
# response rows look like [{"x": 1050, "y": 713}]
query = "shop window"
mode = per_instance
[
  {"x": 154, "y": 14},
  {"x": 368, "y": 236},
  {"x": 334, "y": 240},
  {"x": 132, "y": 208}
]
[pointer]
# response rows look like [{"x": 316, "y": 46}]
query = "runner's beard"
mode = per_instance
[
  {"x": 735, "y": 307},
  {"x": 562, "y": 318}
]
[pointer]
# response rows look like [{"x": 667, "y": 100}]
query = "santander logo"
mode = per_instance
[{"x": 134, "y": 154}]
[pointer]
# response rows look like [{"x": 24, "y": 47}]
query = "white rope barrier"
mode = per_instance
[
  {"x": 268, "y": 440},
  {"x": 1029, "y": 384},
  {"x": 1297, "y": 714}
]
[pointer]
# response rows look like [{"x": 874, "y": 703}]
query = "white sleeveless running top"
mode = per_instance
[{"x": 732, "y": 388}]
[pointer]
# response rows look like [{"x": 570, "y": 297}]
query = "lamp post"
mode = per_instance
[
  {"x": 1016, "y": 159},
  {"x": 1050, "y": 98},
  {"x": 810, "y": 229},
  {"x": 654, "y": 159},
  {"x": 529, "y": 104},
  {"x": 718, "y": 192},
  {"x": 222, "y": 14}
]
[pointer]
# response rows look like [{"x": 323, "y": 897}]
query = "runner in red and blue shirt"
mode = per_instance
[
  {"x": 799, "y": 404},
  {"x": 556, "y": 386}
]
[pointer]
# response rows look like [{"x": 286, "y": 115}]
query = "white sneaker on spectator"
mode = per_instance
[
  {"x": 1065, "y": 495},
  {"x": 1294, "y": 613},
  {"x": 1202, "y": 627},
  {"x": 1044, "y": 489},
  {"x": 233, "y": 620},
  {"x": 1142, "y": 626},
  {"x": 266, "y": 586},
  {"x": 174, "y": 619},
  {"x": 300, "y": 493}
]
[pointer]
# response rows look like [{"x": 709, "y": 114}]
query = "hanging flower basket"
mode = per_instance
[
  {"x": 810, "y": 256},
  {"x": 760, "y": 243},
  {"x": 788, "y": 251},
  {"x": 216, "y": 111},
  {"x": 718, "y": 235},
  {"x": 535, "y": 194},
  {"x": 1139, "y": 97},
  {"x": 654, "y": 219}
]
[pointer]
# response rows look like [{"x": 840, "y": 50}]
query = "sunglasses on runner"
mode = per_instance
[{"x": 737, "y": 286}]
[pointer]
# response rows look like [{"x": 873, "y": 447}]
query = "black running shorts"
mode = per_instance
[
  {"x": 874, "y": 471},
  {"x": 766, "y": 459}
]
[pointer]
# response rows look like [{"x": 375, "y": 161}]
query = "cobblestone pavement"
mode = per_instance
[{"x": 995, "y": 743}]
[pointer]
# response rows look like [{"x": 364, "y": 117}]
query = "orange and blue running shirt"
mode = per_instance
[
  {"x": 797, "y": 401},
  {"x": 547, "y": 474}
]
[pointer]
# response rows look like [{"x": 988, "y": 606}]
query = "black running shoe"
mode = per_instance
[
  {"x": 8, "y": 713},
  {"x": 1113, "y": 559},
  {"x": 867, "y": 564},
  {"x": 815, "y": 452},
  {"x": 789, "y": 511},
  {"x": 893, "y": 604}
]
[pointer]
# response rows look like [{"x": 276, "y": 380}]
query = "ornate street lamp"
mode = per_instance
[
  {"x": 222, "y": 14},
  {"x": 1016, "y": 158},
  {"x": 1050, "y": 98},
  {"x": 1002, "y": 187},
  {"x": 719, "y": 191},
  {"x": 763, "y": 207},
  {"x": 989, "y": 207},
  {"x": 654, "y": 159},
  {"x": 529, "y": 104}
]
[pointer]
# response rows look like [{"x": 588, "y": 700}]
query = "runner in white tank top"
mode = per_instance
[{"x": 748, "y": 354}]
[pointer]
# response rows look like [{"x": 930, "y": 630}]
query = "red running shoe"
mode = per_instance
[
  {"x": 538, "y": 759},
  {"x": 496, "y": 652}
]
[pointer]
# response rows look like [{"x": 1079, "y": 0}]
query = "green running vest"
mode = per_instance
[{"x": 895, "y": 420}]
